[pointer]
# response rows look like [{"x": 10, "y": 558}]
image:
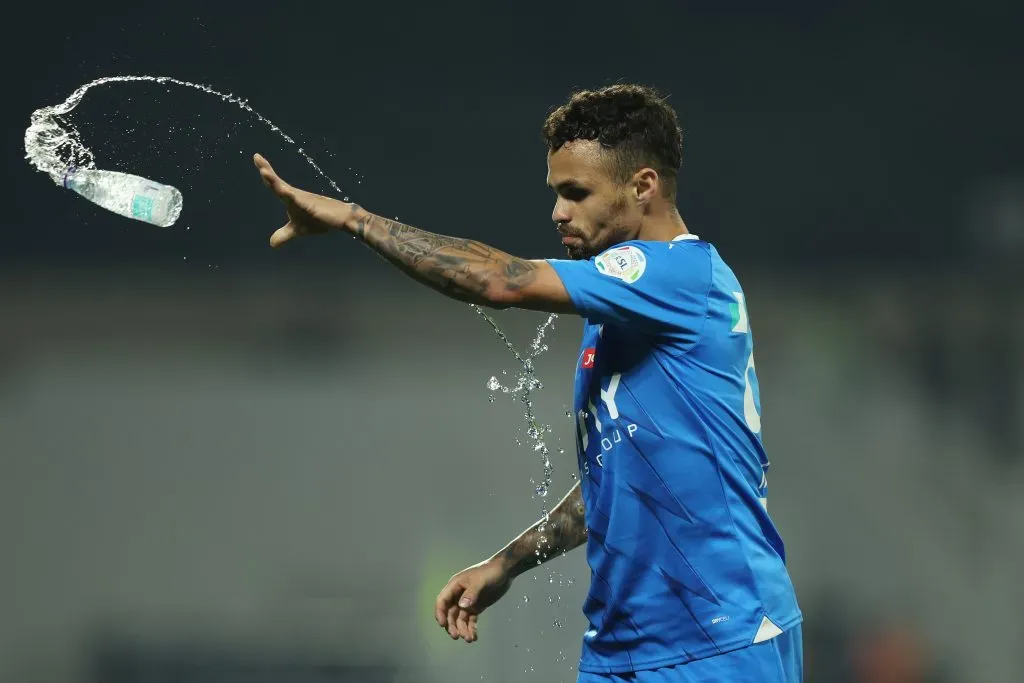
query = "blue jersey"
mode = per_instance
[{"x": 685, "y": 561}]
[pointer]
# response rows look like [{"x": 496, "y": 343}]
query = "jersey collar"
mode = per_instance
[{"x": 686, "y": 236}]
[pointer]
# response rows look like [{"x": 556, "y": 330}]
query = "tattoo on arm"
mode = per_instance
[
  {"x": 564, "y": 529},
  {"x": 360, "y": 225},
  {"x": 463, "y": 269}
]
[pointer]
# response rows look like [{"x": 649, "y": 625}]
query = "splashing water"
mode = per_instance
[
  {"x": 525, "y": 384},
  {"x": 52, "y": 144}
]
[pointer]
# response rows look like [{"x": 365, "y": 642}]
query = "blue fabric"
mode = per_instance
[
  {"x": 779, "y": 660},
  {"x": 685, "y": 561}
]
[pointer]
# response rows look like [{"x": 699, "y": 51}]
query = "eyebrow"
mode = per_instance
[{"x": 565, "y": 184}]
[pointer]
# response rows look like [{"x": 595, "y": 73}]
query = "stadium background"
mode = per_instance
[{"x": 222, "y": 463}]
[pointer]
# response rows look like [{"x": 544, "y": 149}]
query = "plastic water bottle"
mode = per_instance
[{"x": 128, "y": 195}]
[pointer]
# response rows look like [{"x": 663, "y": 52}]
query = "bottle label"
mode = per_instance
[{"x": 142, "y": 207}]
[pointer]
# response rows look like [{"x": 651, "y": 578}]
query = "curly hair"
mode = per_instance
[{"x": 632, "y": 121}]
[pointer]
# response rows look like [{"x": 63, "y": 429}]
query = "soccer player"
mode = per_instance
[{"x": 688, "y": 574}]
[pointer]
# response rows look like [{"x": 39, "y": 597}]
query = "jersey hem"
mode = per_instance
[{"x": 675, "y": 660}]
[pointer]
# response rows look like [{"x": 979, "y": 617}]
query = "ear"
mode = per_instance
[{"x": 646, "y": 184}]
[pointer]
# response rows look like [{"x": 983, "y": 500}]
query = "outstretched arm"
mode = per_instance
[{"x": 462, "y": 269}]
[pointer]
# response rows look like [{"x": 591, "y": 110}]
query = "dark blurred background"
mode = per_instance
[{"x": 222, "y": 463}]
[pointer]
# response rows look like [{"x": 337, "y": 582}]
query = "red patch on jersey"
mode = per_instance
[{"x": 588, "y": 358}]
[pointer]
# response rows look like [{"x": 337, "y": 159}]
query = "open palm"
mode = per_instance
[{"x": 308, "y": 213}]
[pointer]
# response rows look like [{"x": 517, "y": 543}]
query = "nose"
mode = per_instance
[{"x": 560, "y": 214}]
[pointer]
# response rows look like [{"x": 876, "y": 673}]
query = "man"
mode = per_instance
[{"x": 688, "y": 581}]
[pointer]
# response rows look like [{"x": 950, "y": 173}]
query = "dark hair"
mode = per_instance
[{"x": 632, "y": 121}]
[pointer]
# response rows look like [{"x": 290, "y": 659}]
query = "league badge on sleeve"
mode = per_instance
[{"x": 626, "y": 263}]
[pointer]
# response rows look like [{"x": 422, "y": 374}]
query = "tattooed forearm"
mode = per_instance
[
  {"x": 562, "y": 530},
  {"x": 463, "y": 269}
]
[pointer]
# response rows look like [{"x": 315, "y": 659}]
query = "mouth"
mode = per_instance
[{"x": 570, "y": 238}]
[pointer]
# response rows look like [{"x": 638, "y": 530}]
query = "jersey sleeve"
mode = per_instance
[{"x": 655, "y": 287}]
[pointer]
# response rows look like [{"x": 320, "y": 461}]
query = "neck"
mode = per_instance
[{"x": 663, "y": 226}]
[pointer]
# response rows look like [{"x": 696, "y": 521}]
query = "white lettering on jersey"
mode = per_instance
[
  {"x": 607, "y": 442},
  {"x": 742, "y": 325},
  {"x": 750, "y": 413},
  {"x": 609, "y": 397},
  {"x": 593, "y": 411},
  {"x": 581, "y": 420}
]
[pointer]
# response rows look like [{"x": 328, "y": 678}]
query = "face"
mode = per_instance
[{"x": 592, "y": 210}]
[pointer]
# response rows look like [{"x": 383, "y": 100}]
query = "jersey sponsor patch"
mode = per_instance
[
  {"x": 626, "y": 263},
  {"x": 588, "y": 358}
]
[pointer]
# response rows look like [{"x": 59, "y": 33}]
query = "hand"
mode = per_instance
[
  {"x": 467, "y": 594},
  {"x": 308, "y": 213}
]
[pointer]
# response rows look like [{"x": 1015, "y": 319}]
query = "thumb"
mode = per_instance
[
  {"x": 468, "y": 597},
  {"x": 282, "y": 235}
]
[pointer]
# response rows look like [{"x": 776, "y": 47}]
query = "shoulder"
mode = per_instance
[{"x": 686, "y": 261}]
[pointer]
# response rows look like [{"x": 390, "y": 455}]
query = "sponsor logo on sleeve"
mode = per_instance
[{"x": 625, "y": 263}]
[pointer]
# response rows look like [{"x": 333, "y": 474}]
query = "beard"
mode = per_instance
[
  {"x": 578, "y": 253},
  {"x": 606, "y": 238}
]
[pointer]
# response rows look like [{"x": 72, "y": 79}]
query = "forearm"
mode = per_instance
[
  {"x": 563, "y": 529},
  {"x": 462, "y": 269}
]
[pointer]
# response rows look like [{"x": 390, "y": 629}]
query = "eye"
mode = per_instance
[{"x": 575, "y": 193}]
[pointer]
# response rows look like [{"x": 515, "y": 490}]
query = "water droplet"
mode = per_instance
[{"x": 526, "y": 598}]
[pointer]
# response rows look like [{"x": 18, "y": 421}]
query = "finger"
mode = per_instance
[
  {"x": 472, "y": 627},
  {"x": 463, "y": 625},
  {"x": 282, "y": 235},
  {"x": 444, "y": 601},
  {"x": 270, "y": 177},
  {"x": 453, "y": 615}
]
